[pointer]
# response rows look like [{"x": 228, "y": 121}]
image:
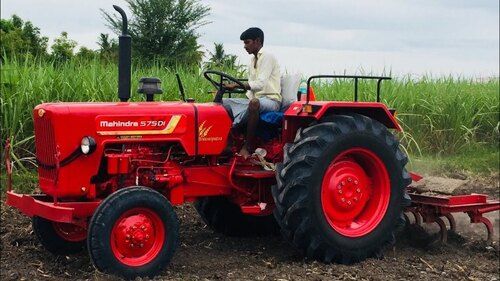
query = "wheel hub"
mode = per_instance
[
  {"x": 137, "y": 237},
  {"x": 348, "y": 189},
  {"x": 134, "y": 235},
  {"x": 355, "y": 192}
]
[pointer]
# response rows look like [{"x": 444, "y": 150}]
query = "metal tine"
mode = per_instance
[{"x": 443, "y": 230}]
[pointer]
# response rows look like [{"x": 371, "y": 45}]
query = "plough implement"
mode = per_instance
[{"x": 438, "y": 208}]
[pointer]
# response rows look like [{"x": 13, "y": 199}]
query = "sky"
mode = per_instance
[{"x": 398, "y": 37}]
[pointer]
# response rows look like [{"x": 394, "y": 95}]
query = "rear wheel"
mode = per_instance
[
  {"x": 225, "y": 217},
  {"x": 134, "y": 232},
  {"x": 340, "y": 190},
  {"x": 59, "y": 238}
]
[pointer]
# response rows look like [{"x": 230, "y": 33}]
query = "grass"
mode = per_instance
[
  {"x": 482, "y": 161},
  {"x": 445, "y": 120},
  {"x": 22, "y": 182}
]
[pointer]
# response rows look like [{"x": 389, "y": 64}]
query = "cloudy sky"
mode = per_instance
[{"x": 438, "y": 37}]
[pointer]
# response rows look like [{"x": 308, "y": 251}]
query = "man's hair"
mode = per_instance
[{"x": 253, "y": 33}]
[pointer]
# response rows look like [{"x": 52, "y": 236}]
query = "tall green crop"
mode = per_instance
[{"x": 445, "y": 115}]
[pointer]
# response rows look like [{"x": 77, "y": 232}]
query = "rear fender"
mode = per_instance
[
  {"x": 297, "y": 117},
  {"x": 374, "y": 110}
]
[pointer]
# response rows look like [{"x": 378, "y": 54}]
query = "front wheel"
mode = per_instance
[
  {"x": 134, "y": 232},
  {"x": 340, "y": 190},
  {"x": 59, "y": 238}
]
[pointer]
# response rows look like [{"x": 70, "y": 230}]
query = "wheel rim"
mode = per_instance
[
  {"x": 355, "y": 192},
  {"x": 70, "y": 232},
  {"x": 137, "y": 237}
]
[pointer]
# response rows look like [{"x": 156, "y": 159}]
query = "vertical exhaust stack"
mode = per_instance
[{"x": 124, "y": 58}]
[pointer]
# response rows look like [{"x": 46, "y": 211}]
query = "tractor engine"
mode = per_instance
[{"x": 154, "y": 165}]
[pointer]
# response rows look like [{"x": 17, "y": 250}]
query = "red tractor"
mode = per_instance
[{"x": 332, "y": 180}]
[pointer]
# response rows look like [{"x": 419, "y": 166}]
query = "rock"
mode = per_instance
[{"x": 439, "y": 184}]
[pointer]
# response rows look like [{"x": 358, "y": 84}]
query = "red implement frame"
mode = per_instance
[{"x": 433, "y": 208}]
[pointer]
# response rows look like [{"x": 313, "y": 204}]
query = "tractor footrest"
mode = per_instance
[
  {"x": 257, "y": 209},
  {"x": 255, "y": 174}
]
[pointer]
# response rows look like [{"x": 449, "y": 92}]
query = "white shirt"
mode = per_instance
[{"x": 264, "y": 79}]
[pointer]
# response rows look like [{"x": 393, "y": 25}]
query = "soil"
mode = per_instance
[{"x": 205, "y": 255}]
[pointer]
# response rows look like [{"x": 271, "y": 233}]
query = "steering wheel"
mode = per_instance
[{"x": 220, "y": 85}]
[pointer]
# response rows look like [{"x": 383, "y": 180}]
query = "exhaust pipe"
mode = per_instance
[{"x": 124, "y": 58}]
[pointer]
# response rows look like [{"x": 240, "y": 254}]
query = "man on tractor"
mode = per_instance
[{"x": 263, "y": 88}]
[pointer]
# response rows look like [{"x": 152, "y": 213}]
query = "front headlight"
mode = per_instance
[{"x": 87, "y": 145}]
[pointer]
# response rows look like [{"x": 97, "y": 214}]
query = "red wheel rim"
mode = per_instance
[
  {"x": 137, "y": 237},
  {"x": 70, "y": 232},
  {"x": 355, "y": 192}
]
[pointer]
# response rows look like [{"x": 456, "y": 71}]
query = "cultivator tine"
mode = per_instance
[
  {"x": 489, "y": 227},
  {"x": 418, "y": 217},
  {"x": 451, "y": 220},
  {"x": 407, "y": 219},
  {"x": 443, "y": 231}
]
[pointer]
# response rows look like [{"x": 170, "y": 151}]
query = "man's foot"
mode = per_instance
[{"x": 244, "y": 152}]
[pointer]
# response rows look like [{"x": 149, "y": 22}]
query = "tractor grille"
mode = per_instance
[{"x": 45, "y": 148}]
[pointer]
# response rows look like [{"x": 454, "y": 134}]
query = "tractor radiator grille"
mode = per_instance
[{"x": 45, "y": 148}]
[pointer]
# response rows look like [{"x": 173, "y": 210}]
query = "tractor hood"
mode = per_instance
[
  {"x": 60, "y": 127},
  {"x": 68, "y": 123}
]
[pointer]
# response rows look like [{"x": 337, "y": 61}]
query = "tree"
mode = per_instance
[
  {"x": 62, "y": 49},
  {"x": 37, "y": 45},
  {"x": 163, "y": 30},
  {"x": 220, "y": 60},
  {"x": 19, "y": 38},
  {"x": 86, "y": 54},
  {"x": 108, "y": 48}
]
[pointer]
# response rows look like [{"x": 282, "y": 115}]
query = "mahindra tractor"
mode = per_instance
[{"x": 330, "y": 176}]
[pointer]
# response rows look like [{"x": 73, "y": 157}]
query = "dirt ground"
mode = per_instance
[{"x": 204, "y": 255}]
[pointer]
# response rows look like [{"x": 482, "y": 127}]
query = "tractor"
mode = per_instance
[{"x": 329, "y": 176}]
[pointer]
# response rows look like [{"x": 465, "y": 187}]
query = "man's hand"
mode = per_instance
[{"x": 231, "y": 86}]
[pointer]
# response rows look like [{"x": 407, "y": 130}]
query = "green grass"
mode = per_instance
[
  {"x": 479, "y": 161},
  {"x": 22, "y": 182},
  {"x": 447, "y": 118}
]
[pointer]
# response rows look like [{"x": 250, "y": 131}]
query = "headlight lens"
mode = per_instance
[{"x": 87, "y": 145}]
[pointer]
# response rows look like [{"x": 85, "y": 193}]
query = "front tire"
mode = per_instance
[
  {"x": 134, "y": 232},
  {"x": 57, "y": 237},
  {"x": 340, "y": 190}
]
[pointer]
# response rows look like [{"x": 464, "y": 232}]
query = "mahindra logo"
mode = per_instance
[{"x": 112, "y": 124}]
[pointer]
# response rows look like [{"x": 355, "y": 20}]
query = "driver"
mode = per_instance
[{"x": 263, "y": 88}]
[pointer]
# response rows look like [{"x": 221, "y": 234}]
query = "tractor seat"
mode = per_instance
[
  {"x": 272, "y": 117},
  {"x": 271, "y": 122},
  {"x": 289, "y": 87}
]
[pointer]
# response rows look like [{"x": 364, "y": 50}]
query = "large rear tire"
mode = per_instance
[
  {"x": 225, "y": 217},
  {"x": 59, "y": 238},
  {"x": 134, "y": 232},
  {"x": 341, "y": 189}
]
